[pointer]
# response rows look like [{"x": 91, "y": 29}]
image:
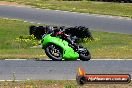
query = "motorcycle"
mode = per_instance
[{"x": 59, "y": 49}]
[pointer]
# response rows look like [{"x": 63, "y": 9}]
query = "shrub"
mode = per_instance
[{"x": 26, "y": 41}]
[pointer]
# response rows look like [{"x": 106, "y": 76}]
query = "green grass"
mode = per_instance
[
  {"x": 105, "y": 45},
  {"x": 58, "y": 84},
  {"x": 107, "y": 8},
  {"x": 9, "y": 48},
  {"x": 110, "y": 45}
]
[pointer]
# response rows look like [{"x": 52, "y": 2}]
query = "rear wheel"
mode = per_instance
[
  {"x": 84, "y": 55},
  {"x": 54, "y": 52}
]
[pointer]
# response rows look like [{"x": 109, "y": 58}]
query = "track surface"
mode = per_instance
[
  {"x": 59, "y": 70},
  {"x": 99, "y": 23}
]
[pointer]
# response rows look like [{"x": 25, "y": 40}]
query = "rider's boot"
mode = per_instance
[{"x": 76, "y": 47}]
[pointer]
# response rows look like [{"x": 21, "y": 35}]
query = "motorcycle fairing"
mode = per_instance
[{"x": 68, "y": 52}]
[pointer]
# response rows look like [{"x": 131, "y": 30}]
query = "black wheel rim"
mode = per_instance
[
  {"x": 54, "y": 51},
  {"x": 85, "y": 53}
]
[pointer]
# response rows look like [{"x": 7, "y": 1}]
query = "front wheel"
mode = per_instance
[
  {"x": 84, "y": 55},
  {"x": 53, "y": 52}
]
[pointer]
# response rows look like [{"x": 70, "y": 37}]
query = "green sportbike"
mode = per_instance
[{"x": 57, "y": 49}]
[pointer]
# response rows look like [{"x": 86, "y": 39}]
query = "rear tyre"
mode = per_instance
[
  {"x": 85, "y": 55},
  {"x": 54, "y": 52}
]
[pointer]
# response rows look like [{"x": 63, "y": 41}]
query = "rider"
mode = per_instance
[{"x": 57, "y": 32}]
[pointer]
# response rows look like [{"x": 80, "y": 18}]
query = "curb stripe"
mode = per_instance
[{"x": 16, "y": 59}]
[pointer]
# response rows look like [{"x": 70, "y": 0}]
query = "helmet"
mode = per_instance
[{"x": 49, "y": 29}]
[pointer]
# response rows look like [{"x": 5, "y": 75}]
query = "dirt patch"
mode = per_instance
[{"x": 11, "y": 4}]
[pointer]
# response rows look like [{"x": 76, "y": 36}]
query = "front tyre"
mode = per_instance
[
  {"x": 85, "y": 55},
  {"x": 53, "y": 52}
]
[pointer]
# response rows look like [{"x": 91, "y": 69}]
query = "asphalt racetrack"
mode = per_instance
[{"x": 60, "y": 70}]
